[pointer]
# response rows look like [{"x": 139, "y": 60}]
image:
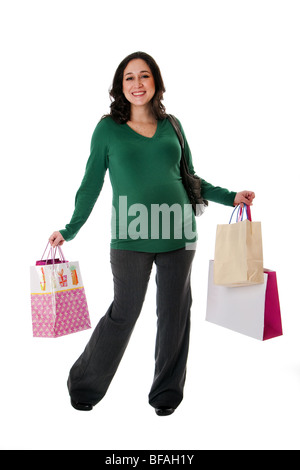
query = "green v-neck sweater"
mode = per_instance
[{"x": 150, "y": 208}]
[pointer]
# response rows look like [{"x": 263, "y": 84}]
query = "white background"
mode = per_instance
[{"x": 231, "y": 69}]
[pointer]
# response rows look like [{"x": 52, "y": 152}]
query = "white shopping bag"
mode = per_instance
[{"x": 251, "y": 310}]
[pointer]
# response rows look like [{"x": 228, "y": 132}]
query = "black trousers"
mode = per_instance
[{"x": 93, "y": 372}]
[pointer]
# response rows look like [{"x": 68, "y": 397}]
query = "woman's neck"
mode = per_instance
[{"x": 142, "y": 114}]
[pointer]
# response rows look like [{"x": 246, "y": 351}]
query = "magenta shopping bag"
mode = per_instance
[
  {"x": 58, "y": 301},
  {"x": 272, "y": 320},
  {"x": 251, "y": 310}
]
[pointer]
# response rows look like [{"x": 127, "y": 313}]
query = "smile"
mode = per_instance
[{"x": 139, "y": 93}]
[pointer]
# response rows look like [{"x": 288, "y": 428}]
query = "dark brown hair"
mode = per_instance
[{"x": 120, "y": 106}]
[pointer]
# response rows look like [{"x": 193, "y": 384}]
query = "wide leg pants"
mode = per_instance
[{"x": 93, "y": 372}]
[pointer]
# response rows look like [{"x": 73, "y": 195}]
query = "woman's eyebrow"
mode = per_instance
[{"x": 142, "y": 71}]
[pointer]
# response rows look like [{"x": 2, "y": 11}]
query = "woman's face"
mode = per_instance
[{"x": 138, "y": 83}]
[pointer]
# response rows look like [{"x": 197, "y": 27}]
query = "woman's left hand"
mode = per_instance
[{"x": 244, "y": 197}]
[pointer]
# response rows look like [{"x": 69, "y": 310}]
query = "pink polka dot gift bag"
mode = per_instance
[{"x": 58, "y": 301}]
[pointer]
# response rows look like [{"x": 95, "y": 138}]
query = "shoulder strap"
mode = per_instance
[
  {"x": 176, "y": 127},
  {"x": 175, "y": 124}
]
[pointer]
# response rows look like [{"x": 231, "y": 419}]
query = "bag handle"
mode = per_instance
[
  {"x": 53, "y": 254},
  {"x": 240, "y": 214},
  {"x": 61, "y": 254}
]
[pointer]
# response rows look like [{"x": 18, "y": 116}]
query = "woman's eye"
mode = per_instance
[{"x": 131, "y": 78}]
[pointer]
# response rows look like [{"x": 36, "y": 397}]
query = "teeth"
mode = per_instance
[{"x": 139, "y": 94}]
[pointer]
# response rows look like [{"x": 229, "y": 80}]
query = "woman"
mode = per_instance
[{"x": 139, "y": 147}]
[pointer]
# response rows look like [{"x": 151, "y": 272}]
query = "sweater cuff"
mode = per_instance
[
  {"x": 229, "y": 198},
  {"x": 66, "y": 235}
]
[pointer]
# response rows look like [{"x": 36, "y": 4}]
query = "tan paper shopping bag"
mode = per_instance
[{"x": 238, "y": 252}]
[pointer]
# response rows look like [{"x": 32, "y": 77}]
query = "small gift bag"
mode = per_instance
[{"x": 58, "y": 304}]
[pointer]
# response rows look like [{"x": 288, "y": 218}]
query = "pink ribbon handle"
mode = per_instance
[
  {"x": 62, "y": 257},
  {"x": 52, "y": 260},
  {"x": 240, "y": 213},
  {"x": 249, "y": 213}
]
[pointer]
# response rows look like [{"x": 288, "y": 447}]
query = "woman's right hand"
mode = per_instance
[{"x": 56, "y": 239}]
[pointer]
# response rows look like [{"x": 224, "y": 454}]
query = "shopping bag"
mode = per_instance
[
  {"x": 58, "y": 301},
  {"x": 251, "y": 310},
  {"x": 239, "y": 252}
]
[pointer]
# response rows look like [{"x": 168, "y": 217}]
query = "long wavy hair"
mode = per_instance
[{"x": 120, "y": 106}]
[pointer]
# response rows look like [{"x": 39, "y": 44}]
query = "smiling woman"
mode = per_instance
[
  {"x": 139, "y": 89},
  {"x": 137, "y": 144},
  {"x": 138, "y": 73},
  {"x": 138, "y": 84}
]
